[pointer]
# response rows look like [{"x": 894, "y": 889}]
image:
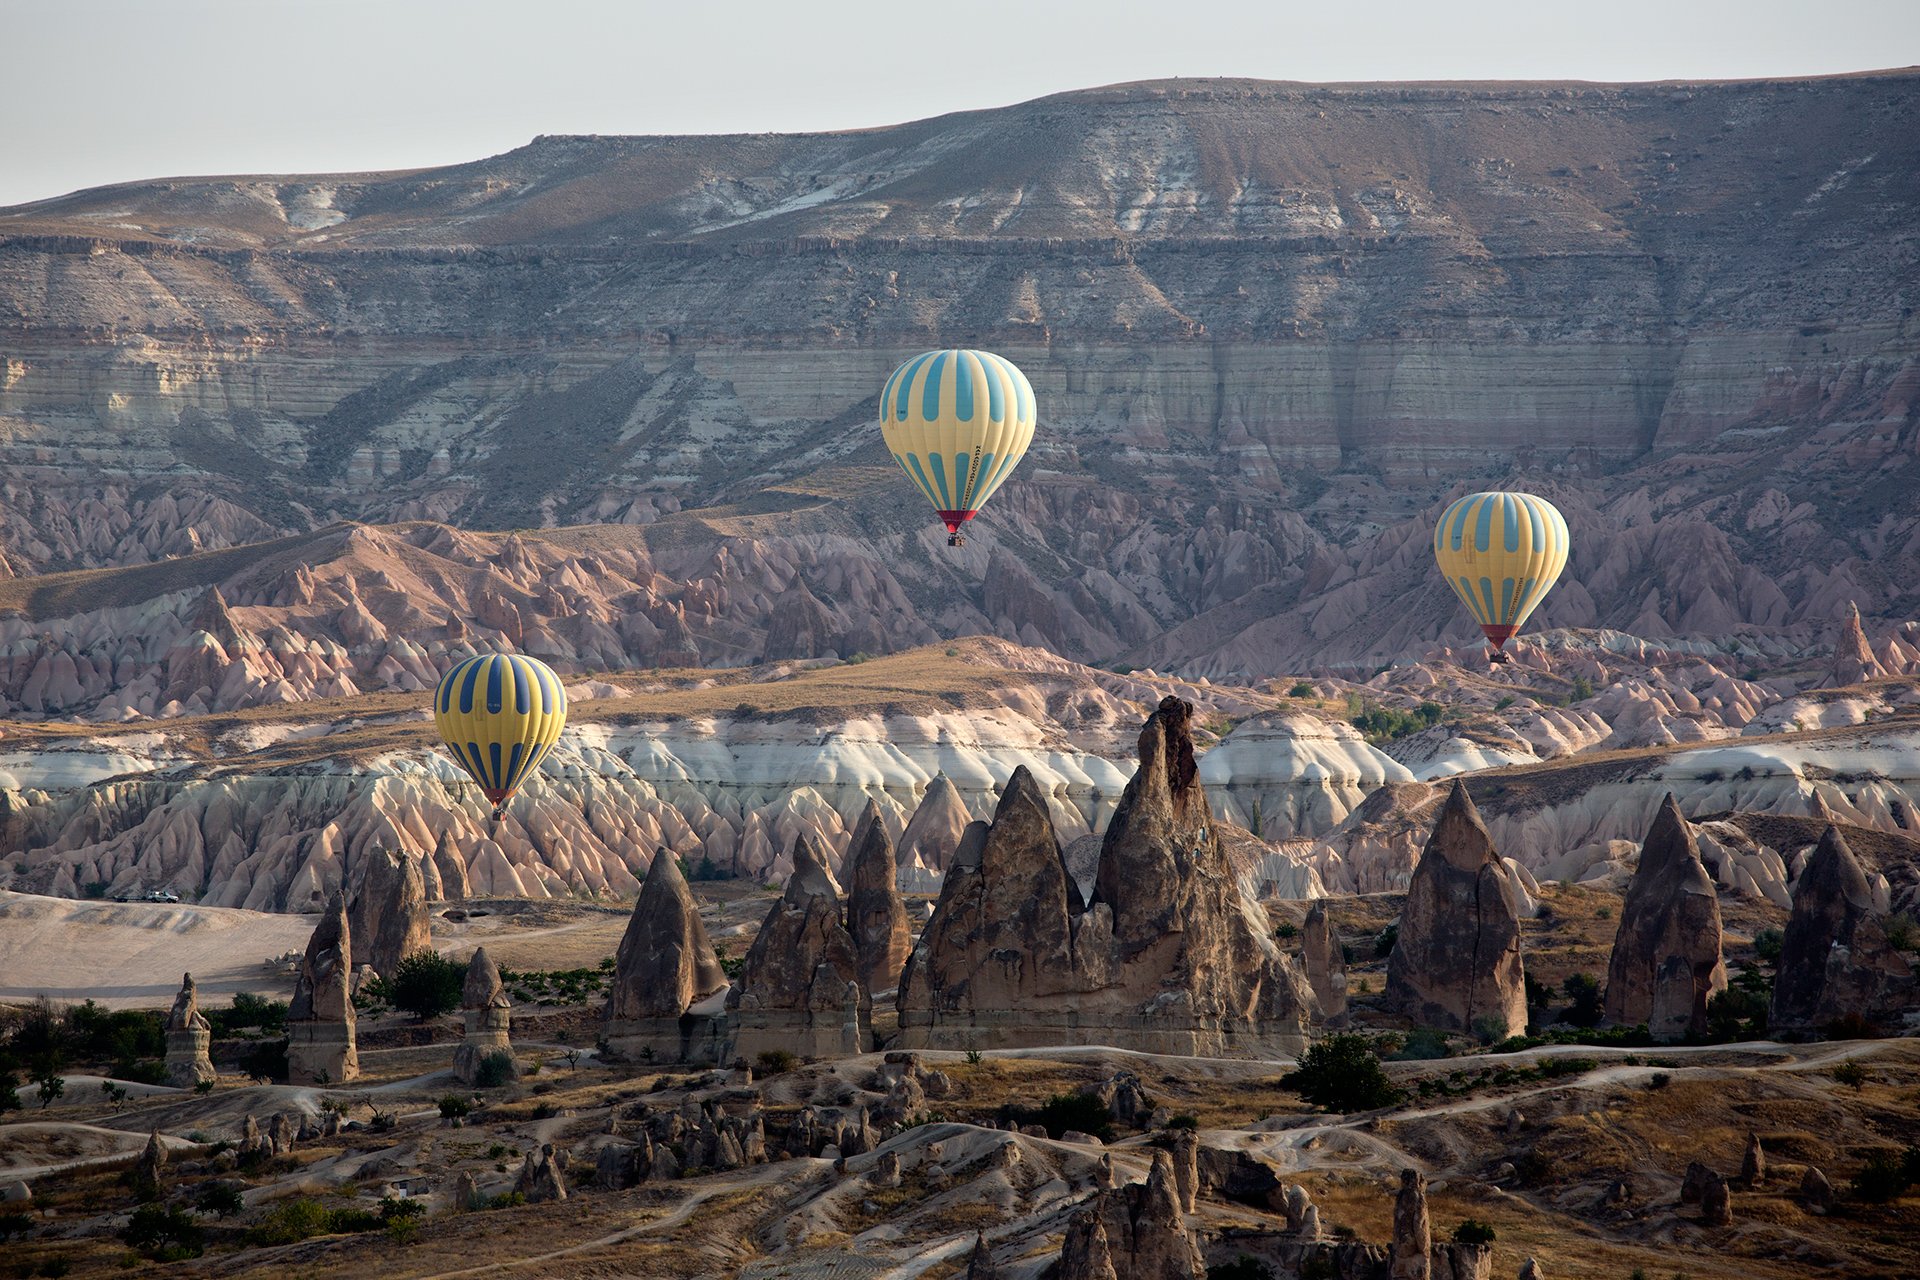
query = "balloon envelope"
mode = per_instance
[
  {"x": 957, "y": 422},
  {"x": 499, "y": 715},
  {"x": 1501, "y": 553}
]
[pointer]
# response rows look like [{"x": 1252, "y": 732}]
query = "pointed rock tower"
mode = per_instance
[
  {"x": 876, "y": 915},
  {"x": 320, "y": 1042},
  {"x": 1854, "y": 661},
  {"x": 664, "y": 1004},
  {"x": 1836, "y": 961},
  {"x": 487, "y": 1013},
  {"x": 934, "y": 830},
  {"x": 1457, "y": 963},
  {"x": 1666, "y": 960},
  {"x": 189, "y": 1036},
  {"x": 1325, "y": 963},
  {"x": 800, "y": 988},
  {"x": 387, "y": 911},
  {"x": 1169, "y": 958}
]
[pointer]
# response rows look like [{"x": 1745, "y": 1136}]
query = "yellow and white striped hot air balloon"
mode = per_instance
[
  {"x": 1501, "y": 553},
  {"x": 957, "y": 422},
  {"x": 499, "y": 715}
]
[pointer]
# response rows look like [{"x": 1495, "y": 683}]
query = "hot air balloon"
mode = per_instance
[
  {"x": 957, "y": 422},
  {"x": 499, "y": 715},
  {"x": 1501, "y": 553}
]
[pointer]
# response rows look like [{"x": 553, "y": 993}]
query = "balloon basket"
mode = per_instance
[
  {"x": 1498, "y": 659},
  {"x": 956, "y": 539}
]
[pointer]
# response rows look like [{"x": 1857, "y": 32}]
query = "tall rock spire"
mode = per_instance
[{"x": 1666, "y": 960}]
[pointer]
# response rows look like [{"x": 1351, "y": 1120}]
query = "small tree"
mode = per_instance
[
  {"x": 426, "y": 985},
  {"x": 51, "y": 1087},
  {"x": 165, "y": 1234},
  {"x": 1585, "y": 993},
  {"x": 1473, "y": 1231},
  {"x": 1341, "y": 1074},
  {"x": 221, "y": 1199}
]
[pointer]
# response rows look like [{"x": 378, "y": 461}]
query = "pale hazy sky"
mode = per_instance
[{"x": 98, "y": 91}]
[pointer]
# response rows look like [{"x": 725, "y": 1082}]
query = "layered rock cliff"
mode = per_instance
[{"x": 1307, "y": 313}]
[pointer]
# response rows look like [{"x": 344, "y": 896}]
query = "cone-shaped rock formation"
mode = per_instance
[
  {"x": 1325, "y": 964},
  {"x": 189, "y": 1036},
  {"x": 663, "y": 1005},
  {"x": 800, "y": 989},
  {"x": 320, "y": 1022},
  {"x": 876, "y": 915},
  {"x": 387, "y": 911},
  {"x": 1457, "y": 963},
  {"x": 1171, "y": 956},
  {"x": 1666, "y": 954},
  {"x": 934, "y": 830},
  {"x": 487, "y": 1014},
  {"x": 1836, "y": 961}
]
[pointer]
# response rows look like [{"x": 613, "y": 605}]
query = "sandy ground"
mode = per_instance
[{"x": 131, "y": 954}]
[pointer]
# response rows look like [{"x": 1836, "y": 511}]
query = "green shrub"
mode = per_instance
[
  {"x": 1768, "y": 943},
  {"x": 248, "y": 1013},
  {"x": 1850, "y": 1074},
  {"x": 266, "y": 1061},
  {"x": 1585, "y": 1011},
  {"x": 1301, "y": 690},
  {"x": 1740, "y": 1011},
  {"x": 1184, "y": 1122},
  {"x": 1473, "y": 1231},
  {"x": 1887, "y": 1174},
  {"x": 15, "y": 1223},
  {"x": 1424, "y": 1044},
  {"x": 1902, "y": 933},
  {"x": 1064, "y": 1111},
  {"x": 289, "y": 1222},
  {"x": 221, "y": 1199},
  {"x": 495, "y": 1070},
  {"x": 1286, "y": 931},
  {"x": 455, "y": 1107},
  {"x": 1384, "y": 944},
  {"x": 165, "y": 1234},
  {"x": 425, "y": 984},
  {"x": 1341, "y": 1074},
  {"x": 775, "y": 1062}
]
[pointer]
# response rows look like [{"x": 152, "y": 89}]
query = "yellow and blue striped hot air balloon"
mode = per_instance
[
  {"x": 499, "y": 715},
  {"x": 957, "y": 422},
  {"x": 1501, "y": 553}
]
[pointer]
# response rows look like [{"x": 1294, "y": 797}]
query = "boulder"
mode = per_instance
[
  {"x": 320, "y": 1019},
  {"x": 486, "y": 1013},
  {"x": 1716, "y": 1202},
  {"x": 1324, "y": 962},
  {"x": 800, "y": 989},
  {"x": 1835, "y": 961},
  {"x": 189, "y": 1037},
  {"x": 387, "y": 911},
  {"x": 1666, "y": 960},
  {"x": 876, "y": 914},
  {"x": 1457, "y": 963},
  {"x": 1753, "y": 1163},
  {"x": 663, "y": 1005},
  {"x": 1816, "y": 1193}
]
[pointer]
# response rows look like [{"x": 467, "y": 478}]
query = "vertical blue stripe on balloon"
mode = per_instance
[
  {"x": 522, "y": 686},
  {"x": 479, "y": 762},
  {"x": 1483, "y": 527},
  {"x": 493, "y": 749},
  {"x": 926, "y": 485},
  {"x": 996, "y": 385},
  {"x": 930, "y": 398},
  {"x": 1459, "y": 513},
  {"x": 1023, "y": 392},
  {"x": 1506, "y": 600},
  {"x": 446, "y": 692},
  {"x": 466, "y": 686},
  {"x": 980, "y": 477},
  {"x": 1473, "y": 600},
  {"x": 1510, "y": 508},
  {"x": 905, "y": 391},
  {"x": 940, "y": 478},
  {"x": 513, "y": 764},
  {"x": 493, "y": 684},
  {"x": 1537, "y": 520},
  {"x": 1486, "y": 592},
  {"x": 548, "y": 681},
  {"x": 962, "y": 388}
]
